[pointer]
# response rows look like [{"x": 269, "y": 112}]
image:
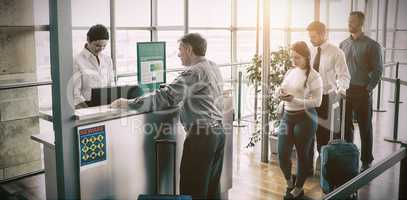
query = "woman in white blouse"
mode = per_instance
[
  {"x": 301, "y": 92},
  {"x": 92, "y": 69}
]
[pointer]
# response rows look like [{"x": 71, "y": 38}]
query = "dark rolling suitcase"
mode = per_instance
[
  {"x": 158, "y": 196},
  {"x": 339, "y": 159}
]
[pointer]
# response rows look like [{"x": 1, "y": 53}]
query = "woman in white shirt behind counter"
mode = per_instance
[
  {"x": 301, "y": 91},
  {"x": 91, "y": 68}
]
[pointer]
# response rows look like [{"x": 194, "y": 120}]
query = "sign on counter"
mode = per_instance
[
  {"x": 92, "y": 145},
  {"x": 151, "y": 64}
]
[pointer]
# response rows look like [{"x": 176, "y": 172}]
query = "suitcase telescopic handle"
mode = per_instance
[
  {"x": 343, "y": 117},
  {"x": 342, "y": 106},
  {"x": 174, "y": 181}
]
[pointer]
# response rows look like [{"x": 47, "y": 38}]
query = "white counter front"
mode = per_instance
[{"x": 117, "y": 153}]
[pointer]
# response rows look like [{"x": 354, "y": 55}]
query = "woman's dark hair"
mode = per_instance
[
  {"x": 302, "y": 48},
  {"x": 97, "y": 32},
  {"x": 197, "y": 42}
]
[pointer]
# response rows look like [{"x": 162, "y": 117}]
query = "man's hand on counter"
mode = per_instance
[
  {"x": 120, "y": 103},
  {"x": 81, "y": 105}
]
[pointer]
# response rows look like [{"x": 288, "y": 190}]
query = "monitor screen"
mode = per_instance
[{"x": 106, "y": 95}]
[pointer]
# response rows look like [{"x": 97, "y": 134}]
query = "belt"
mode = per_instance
[
  {"x": 357, "y": 87},
  {"x": 295, "y": 112},
  {"x": 215, "y": 123}
]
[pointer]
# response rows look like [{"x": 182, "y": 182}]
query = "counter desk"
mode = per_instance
[{"x": 117, "y": 154}]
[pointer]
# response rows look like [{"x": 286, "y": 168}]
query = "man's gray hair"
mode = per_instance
[{"x": 196, "y": 41}]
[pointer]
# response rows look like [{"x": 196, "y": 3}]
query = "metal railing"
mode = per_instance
[
  {"x": 49, "y": 82},
  {"x": 397, "y": 89},
  {"x": 365, "y": 177},
  {"x": 379, "y": 90},
  {"x": 239, "y": 100},
  {"x": 25, "y": 28},
  {"x": 180, "y": 69},
  {"x": 24, "y": 84},
  {"x": 232, "y": 81},
  {"x": 389, "y": 64},
  {"x": 379, "y": 87},
  {"x": 394, "y": 49},
  {"x": 398, "y": 83},
  {"x": 22, "y": 176}
]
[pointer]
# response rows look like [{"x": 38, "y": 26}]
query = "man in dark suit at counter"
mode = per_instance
[
  {"x": 198, "y": 91},
  {"x": 365, "y": 63}
]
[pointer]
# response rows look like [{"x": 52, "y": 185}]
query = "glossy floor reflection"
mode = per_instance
[
  {"x": 253, "y": 179},
  {"x": 256, "y": 180}
]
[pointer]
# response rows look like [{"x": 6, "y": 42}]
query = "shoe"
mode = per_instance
[
  {"x": 364, "y": 167},
  {"x": 290, "y": 184},
  {"x": 296, "y": 193}
]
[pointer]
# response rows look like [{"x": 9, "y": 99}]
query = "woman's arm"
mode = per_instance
[
  {"x": 315, "y": 98},
  {"x": 77, "y": 84}
]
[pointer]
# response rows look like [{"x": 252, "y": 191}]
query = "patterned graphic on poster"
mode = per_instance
[{"x": 92, "y": 144}]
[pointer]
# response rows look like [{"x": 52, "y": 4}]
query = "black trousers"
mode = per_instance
[
  {"x": 202, "y": 161},
  {"x": 322, "y": 134},
  {"x": 359, "y": 101}
]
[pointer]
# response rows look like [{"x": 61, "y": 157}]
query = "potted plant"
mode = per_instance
[{"x": 279, "y": 64}]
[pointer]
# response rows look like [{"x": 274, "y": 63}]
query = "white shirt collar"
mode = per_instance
[
  {"x": 87, "y": 53},
  {"x": 323, "y": 45}
]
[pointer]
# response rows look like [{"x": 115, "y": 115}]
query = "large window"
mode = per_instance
[
  {"x": 218, "y": 45},
  {"x": 209, "y": 13},
  {"x": 89, "y": 12},
  {"x": 401, "y": 43},
  {"x": 43, "y": 68},
  {"x": 41, "y": 14},
  {"x": 79, "y": 41},
  {"x": 213, "y": 19},
  {"x": 336, "y": 9},
  {"x": 302, "y": 13},
  {"x": 132, "y": 13},
  {"x": 171, "y": 38},
  {"x": 401, "y": 23},
  {"x": 126, "y": 49},
  {"x": 300, "y": 36},
  {"x": 246, "y": 10},
  {"x": 246, "y": 45},
  {"x": 171, "y": 13},
  {"x": 42, "y": 55},
  {"x": 338, "y": 37},
  {"x": 277, "y": 39},
  {"x": 278, "y": 14}
]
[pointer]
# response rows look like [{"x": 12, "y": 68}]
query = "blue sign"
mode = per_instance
[{"x": 92, "y": 145}]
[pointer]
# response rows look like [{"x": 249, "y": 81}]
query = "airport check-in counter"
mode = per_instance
[{"x": 117, "y": 152}]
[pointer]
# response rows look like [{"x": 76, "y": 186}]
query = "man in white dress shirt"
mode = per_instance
[
  {"x": 92, "y": 69},
  {"x": 329, "y": 60}
]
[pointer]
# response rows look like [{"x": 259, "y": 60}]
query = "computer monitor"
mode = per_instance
[{"x": 106, "y": 95}]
